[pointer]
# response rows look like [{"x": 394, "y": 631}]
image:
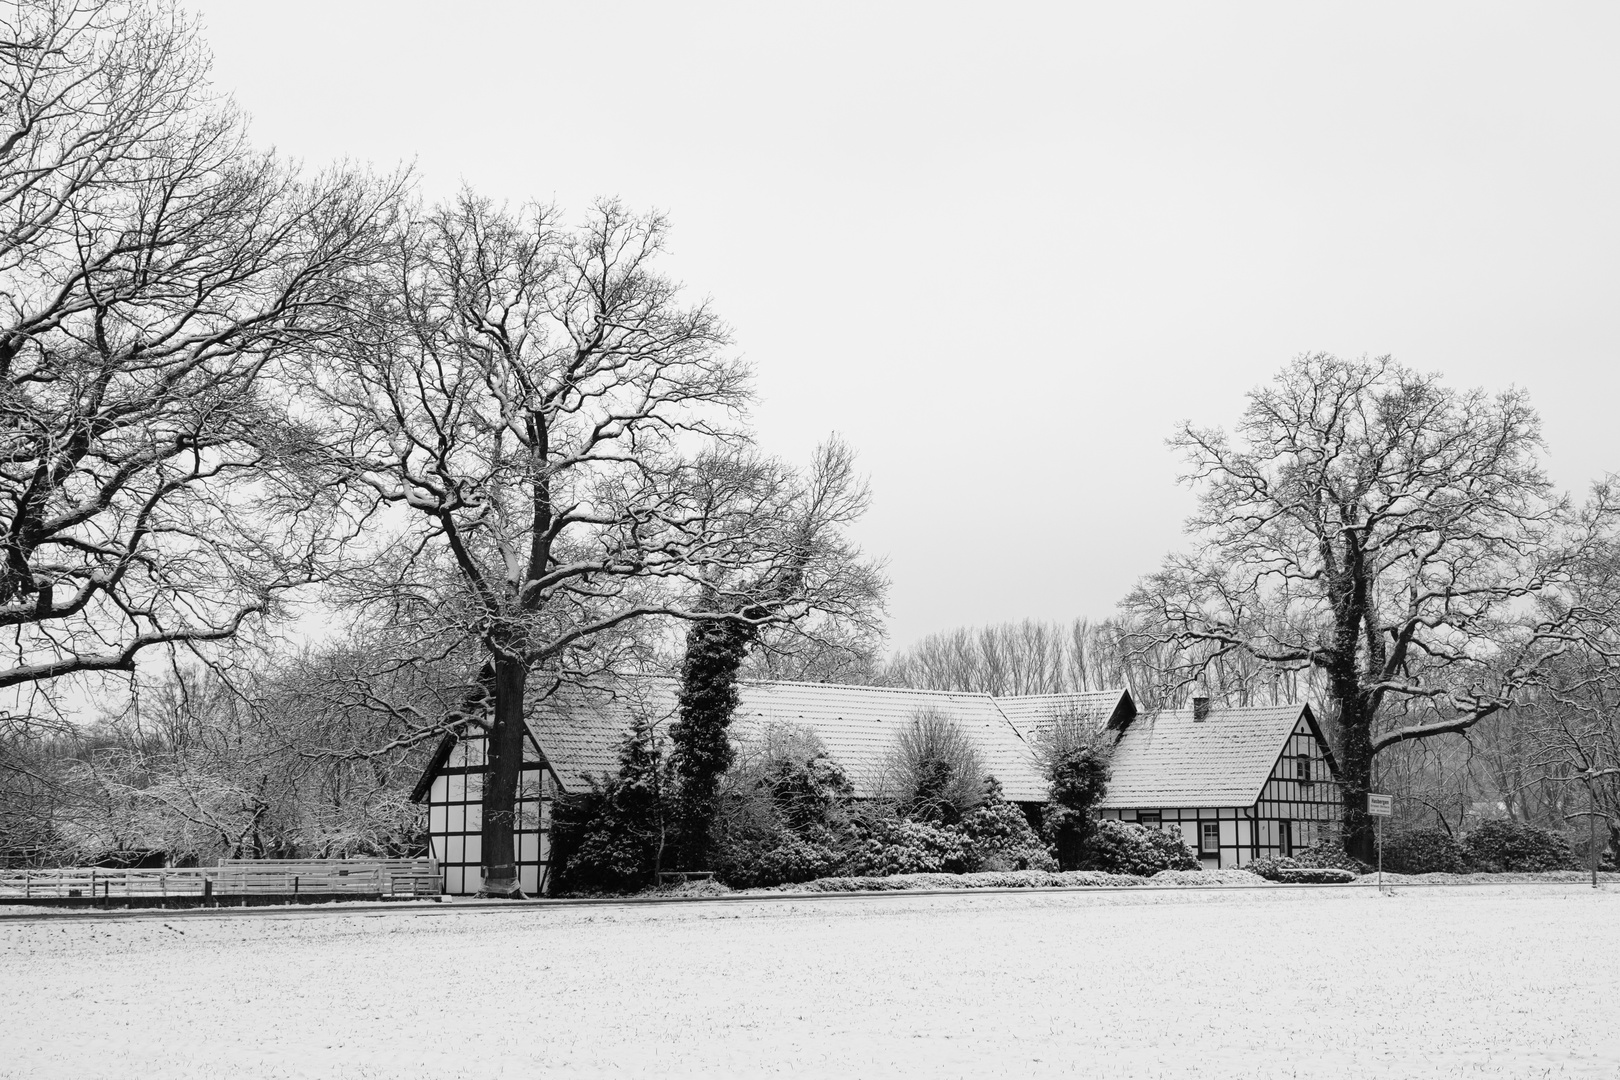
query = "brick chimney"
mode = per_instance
[{"x": 1200, "y": 704}]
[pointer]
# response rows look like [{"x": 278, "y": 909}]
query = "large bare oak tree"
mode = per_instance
[
  {"x": 154, "y": 268},
  {"x": 545, "y": 424},
  {"x": 1393, "y": 537}
]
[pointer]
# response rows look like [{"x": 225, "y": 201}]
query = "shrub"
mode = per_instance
[
  {"x": 891, "y": 846},
  {"x": 611, "y": 837},
  {"x": 1076, "y": 760},
  {"x": 1229, "y": 876},
  {"x": 933, "y": 773},
  {"x": 792, "y": 859},
  {"x": 1330, "y": 856},
  {"x": 782, "y": 814},
  {"x": 1271, "y": 867},
  {"x": 1019, "y": 879},
  {"x": 1125, "y": 847},
  {"x": 1315, "y": 875},
  {"x": 1000, "y": 838},
  {"x": 1282, "y": 868},
  {"x": 1425, "y": 851},
  {"x": 1504, "y": 846}
]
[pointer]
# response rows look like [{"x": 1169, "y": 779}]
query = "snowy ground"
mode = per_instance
[{"x": 1500, "y": 981}]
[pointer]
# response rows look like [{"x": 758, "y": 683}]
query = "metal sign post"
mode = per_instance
[
  {"x": 1380, "y": 807},
  {"x": 1591, "y": 828}
]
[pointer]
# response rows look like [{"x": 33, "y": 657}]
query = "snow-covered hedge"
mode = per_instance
[
  {"x": 1511, "y": 847},
  {"x": 1005, "y": 879},
  {"x": 1205, "y": 877},
  {"x": 1425, "y": 851}
]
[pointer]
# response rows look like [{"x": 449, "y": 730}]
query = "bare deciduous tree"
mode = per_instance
[
  {"x": 537, "y": 412},
  {"x": 153, "y": 269},
  {"x": 1392, "y": 537},
  {"x": 1050, "y": 658}
]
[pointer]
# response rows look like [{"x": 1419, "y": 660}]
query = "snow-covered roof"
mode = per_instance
[
  {"x": 1029, "y": 713},
  {"x": 1170, "y": 759},
  {"x": 859, "y": 726},
  {"x": 579, "y": 729},
  {"x": 579, "y": 732}
]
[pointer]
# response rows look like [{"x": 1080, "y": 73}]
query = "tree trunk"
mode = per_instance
[
  {"x": 1356, "y": 769},
  {"x": 501, "y": 780}
]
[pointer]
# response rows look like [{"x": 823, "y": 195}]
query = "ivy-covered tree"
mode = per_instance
[{"x": 806, "y": 578}]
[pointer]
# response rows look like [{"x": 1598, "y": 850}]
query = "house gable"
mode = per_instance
[{"x": 1300, "y": 805}]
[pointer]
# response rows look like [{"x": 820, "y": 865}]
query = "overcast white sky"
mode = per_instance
[{"x": 1004, "y": 248}]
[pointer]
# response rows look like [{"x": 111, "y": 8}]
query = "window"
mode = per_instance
[
  {"x": 1148, "y": 817},
  {"x": 1209, "y": 838},
  {"x": 1302, "y": 768}
]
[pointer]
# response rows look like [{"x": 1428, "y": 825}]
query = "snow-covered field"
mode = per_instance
[{"x": 1502, "y": 981}]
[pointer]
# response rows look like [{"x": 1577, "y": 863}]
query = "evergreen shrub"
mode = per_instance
[
  {"x": 897, "y": 846},
  {"x": 611, "y": 837},
  {"x": 1077, "y": 760},
  {"x": 1270, "y": 867},
  {"x": 1425, "y": 851},
  {"x": 1000, "y": 838},
  {"x": 1126, "y": 847},
  {"x": 1504, "y": 846},
  {"x": 782, "y": 812},
  {"x": 1314, "y": 875},
  {"x": 1282, "y": 868},
  {"x": 1329, "y": 855}
]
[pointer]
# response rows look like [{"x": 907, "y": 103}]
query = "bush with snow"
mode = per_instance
[
  {"x": 1504, "y": 846},
  {"x": 1126, "y": 847},
  {"x": 1014, "y": 879},
  {"x": 1206, "y": 877},
  {"x": 895, "y": 846},
  {"x": 1336, "y": 866},
  {"x": 783, "y": 811},
  {"x": 1000, "y": 838},
  {"x": 1425, "y": 851}
]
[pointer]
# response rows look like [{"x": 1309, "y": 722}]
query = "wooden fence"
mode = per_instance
[{"x": 386, "y": 878}]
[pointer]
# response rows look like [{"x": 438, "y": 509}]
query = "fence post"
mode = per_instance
[{"x": 295, "y": 884}]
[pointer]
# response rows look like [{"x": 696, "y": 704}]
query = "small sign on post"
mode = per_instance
[{"x": 1380, "y": 807}]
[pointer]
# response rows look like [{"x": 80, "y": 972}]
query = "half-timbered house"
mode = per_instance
[
  {"x": 575, "y": 734},
  {"x": 1235, "y": 783}
]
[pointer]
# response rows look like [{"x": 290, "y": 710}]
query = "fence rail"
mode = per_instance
[{"x": 236, "y": 877}]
